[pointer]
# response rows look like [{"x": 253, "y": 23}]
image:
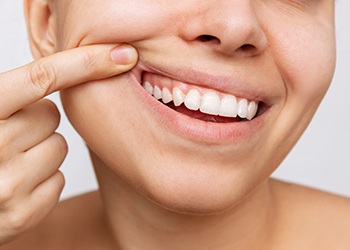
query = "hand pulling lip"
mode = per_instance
[{"x": 194, "y": 77}]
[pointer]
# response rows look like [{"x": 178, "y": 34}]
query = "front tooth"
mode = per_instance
[
  {"x": 148, "y": 87},
  {"x": 252, "y": 109},
  {"x": 178, "y": 96},
  {"x": 210, "y": 103},
  {"x": 228, "y": 107},
  {"x": 243, "y": 108},
  {"x": 166, "y": 95},
  {"x": 157, "y": 93},
  {"x": 193, "y": 99}
]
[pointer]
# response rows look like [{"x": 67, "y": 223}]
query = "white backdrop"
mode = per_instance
[{"x": 321, "y": 159}]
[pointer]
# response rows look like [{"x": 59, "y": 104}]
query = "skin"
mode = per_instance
[
  {"x": 164, "y": 190},
  {"x": 31, "y": 151}
]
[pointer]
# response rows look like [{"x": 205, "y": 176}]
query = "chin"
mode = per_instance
[
  {"x": 202, "y": 203},
  {"x": 197, "y": 190}
]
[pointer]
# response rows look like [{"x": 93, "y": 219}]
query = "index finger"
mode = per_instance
[{"x": 30, "y": 83}]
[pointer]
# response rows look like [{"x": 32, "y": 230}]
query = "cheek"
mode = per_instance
[
  {"x": 312, "y": 72},
  {"x": 306, "y": 58},
  {"x": 102, "y": 113},
  {"x": 302, "y": 44},
  {"x": 111, "y": 21},
  {"x": 307, "y": 65}
]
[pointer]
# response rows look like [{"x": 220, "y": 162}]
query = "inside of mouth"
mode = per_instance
[{"x": 197, "y": 114}]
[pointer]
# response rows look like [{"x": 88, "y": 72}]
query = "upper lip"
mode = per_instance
[{"x": 192, "y": 76}]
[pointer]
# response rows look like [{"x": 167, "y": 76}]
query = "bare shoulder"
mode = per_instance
[
  {"x": 318, "y": 218},
  {"x": 70, "y": 222}
]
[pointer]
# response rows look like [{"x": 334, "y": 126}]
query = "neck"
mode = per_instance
[{"x": 135, "y": 222}]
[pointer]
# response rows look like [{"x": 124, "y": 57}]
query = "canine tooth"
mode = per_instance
[
  {"x": 148, "y": 87},
  {"x": 243, "y": 108},
  {"x": 178, "y": 96},
  {"x": 193, "y": 99},
  {"x": 157, "y": 93},
  {"x": 166, "y": 95},
  {"x": 210, "y": 103},
  {"x": 228, "y": 106},
  {"x": 252, "y": 109}
]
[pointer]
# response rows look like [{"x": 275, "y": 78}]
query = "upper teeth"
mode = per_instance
[{"x": 210, "y": 103}]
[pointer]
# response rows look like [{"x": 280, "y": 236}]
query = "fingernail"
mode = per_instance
[{"x": 123, "y": 54}]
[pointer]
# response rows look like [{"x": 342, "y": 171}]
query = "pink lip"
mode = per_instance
[{"x": 191, "y": 128}]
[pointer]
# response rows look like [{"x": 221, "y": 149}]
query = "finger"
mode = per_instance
[
  {"x": 23, "y": 86},
  {"x": 30, "y": 210},
  {"x": 42, "y": 161},
  {"x": 45, "y": 196},
  {"x": 30, "y": 126}
]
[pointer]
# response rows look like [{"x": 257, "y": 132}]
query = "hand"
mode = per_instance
[{"x": 30, "y": 150}]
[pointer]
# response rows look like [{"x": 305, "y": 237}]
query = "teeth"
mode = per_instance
[
  {"x": 179, "y": 96},
  {"x": 228, "y": 107},
  {"x": 157, "y": 93},
  {"x": 193, "y": 99},
  {"x": 242, "y": 108},
  {"x": 252, "y": 109},
  {"x": 166, "y": 95},
  {"x": 209, "y": 103},
  {"x": 148, "y": 87}
]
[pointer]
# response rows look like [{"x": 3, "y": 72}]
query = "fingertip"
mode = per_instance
[{"x": 124, "y": 55}]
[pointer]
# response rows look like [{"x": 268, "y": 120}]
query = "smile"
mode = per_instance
[
  {"x": 211, "y": 105},
  {"x": 199, "y": 108}
]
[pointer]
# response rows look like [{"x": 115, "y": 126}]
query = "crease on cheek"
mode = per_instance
[
  {"x": 66, "y": 41},
  {"x": 134, "y": 36},
  {"x": 81, "y": 42}
]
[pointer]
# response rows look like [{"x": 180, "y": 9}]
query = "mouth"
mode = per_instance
[
  {"x": 201, "y": 103},
  {"x": 201, "y": 107}
]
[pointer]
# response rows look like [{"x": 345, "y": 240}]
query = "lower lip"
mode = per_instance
[{"x": 194, "y": 129}]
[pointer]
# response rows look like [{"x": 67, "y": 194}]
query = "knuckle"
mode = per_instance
[
  {"x": 42, "y": 76},
  {"x": 91, "y": 61},
  {"x": 55, "y": 149},
  {"x": 7, "y": 192},
  {"x": 3, "y": 148},
  {"x": 60, "y": 180},
  {"x": 52, "y": 110},
  {"x": 4, "y": 138},
  {"x": 61, "y": 144},
  {"x": 18, "y": 220}
]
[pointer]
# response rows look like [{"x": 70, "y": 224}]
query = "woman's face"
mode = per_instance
[{"x": 279, "y": 54}]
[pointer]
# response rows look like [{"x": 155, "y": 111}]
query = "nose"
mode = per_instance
[{"x": 229, "y": 27}]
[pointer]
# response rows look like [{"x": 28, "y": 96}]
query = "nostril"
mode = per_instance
[
  {"x": 207, "y": 38},
  {"x": 247, "y": 47}
]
